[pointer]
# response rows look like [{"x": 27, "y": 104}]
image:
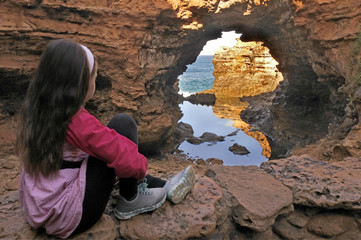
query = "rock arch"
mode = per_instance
[{"x": 144, "y": 45}]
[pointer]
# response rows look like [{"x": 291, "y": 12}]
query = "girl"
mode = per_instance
[{"x": 70, "y": 161}]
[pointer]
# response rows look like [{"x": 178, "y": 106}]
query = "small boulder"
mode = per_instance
[
  {"x": 238, "y": 149},
  {"x": 183, "y": 131},
  {"x": 194, "y": 140},
  {"x": 211, "y": 137}
]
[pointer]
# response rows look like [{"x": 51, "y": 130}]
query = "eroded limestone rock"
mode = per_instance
[
  {"x": 197, "y": 215},
  {"x": 319, "y": 184},
  {"x": 143, "y": 47},
  {"x": 256, "y": 197},
  {"x": 246, "y": 69},
  {"x": 317, "y": 223},
  {"x": 330, "y": 225},
  {"x": 183, "y": 131}
]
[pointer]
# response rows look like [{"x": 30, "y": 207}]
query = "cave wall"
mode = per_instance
[{"x": 143, "y": 46}]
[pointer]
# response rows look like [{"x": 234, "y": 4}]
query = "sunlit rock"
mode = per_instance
[{"x": 246, "y": 69}]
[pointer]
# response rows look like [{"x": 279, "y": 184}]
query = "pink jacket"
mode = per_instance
[{"x": 55, "y": 203}]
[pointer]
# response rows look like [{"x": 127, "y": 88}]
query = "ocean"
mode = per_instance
[{"x": 199, "y": 77}]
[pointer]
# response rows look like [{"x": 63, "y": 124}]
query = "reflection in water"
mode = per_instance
[
  {"x": 202, "y": 119},
  {"x": 231, "y": 108},
  {"x": 246, "y": 69}
]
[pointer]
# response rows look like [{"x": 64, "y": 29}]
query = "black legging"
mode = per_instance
[{"x": 100, "y": 179}]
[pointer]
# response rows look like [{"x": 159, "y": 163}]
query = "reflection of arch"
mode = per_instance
[{"x": 231, "y": 108}]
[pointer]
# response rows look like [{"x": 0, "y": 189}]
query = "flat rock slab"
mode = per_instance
[
  {"x": 319, "y": 184},
  {"x": 197, "y": 215},
  {"x": 257, "y": 198}
]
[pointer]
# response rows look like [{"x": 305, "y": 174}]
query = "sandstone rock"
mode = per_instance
[
  {"x": 256, "y": 197},
  {"x": 352, "y": 143},
  {"x": 298, "y": 219},
  {"x": 206, "y": 137},
  {"x": 12, "y": 184},
  {"x": 357, "y": 96},
  {"x": 12, "y": 222},
  {"x": 105, "y": 228},
  {"x": 10, "y": 174},
  {"x": 197, "y": 215},
  {"x": 212, "y": 161},
  {"x": 266, "y": 235},
  {"x": 350, "y": 235},
  {"x": 246, "y": 69},
  {"x": 143, "y": 47},
  {"x": 319, "y": 184},
  {"x": 200, "y": 161},
  {"x": 202, "y": 99},
  {"x": 238, "y": 149},
  {"x": 329, "y": 225},
  {"x": 11, "y": 162},
  {"x": 288, "y": 231},
  {"x": 194, "y": 140},
  {"x": 183, "y": 131},
  {"x": 211, "y": 137}
]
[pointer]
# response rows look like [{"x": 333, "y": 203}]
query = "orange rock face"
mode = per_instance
[
  {"x": 143, "y": 46},
  {"x": 247, "y": 69}
]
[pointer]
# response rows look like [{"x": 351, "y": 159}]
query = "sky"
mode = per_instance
[{"x": 228, "y": 39}]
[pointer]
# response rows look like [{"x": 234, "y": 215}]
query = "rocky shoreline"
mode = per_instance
[
  {"x": 291, "y": 198},
  {"x": 142, "y": 47}
]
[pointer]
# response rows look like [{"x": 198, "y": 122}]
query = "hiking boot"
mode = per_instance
[
  {"x": 180, "y": 185},
  {"x": 146, "y": 200}
]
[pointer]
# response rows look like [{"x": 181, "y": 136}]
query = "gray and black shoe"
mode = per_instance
[{"x": 147, "y": 199}]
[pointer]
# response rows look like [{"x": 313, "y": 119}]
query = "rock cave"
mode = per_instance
[{"x": 312, "y": 191}]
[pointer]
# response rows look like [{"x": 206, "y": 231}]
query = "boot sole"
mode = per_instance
[
  {"x": 127, "y": 215},
  {"x": 179, "y": 191}
]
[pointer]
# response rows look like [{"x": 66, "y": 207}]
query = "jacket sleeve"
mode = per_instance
[{"x": 120, "y": 153}]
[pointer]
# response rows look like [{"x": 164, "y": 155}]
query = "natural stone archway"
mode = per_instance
[{"x": 143, "y": 46}]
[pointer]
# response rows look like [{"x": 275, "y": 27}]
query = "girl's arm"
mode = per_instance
[{"x": 120, "y": 153}]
